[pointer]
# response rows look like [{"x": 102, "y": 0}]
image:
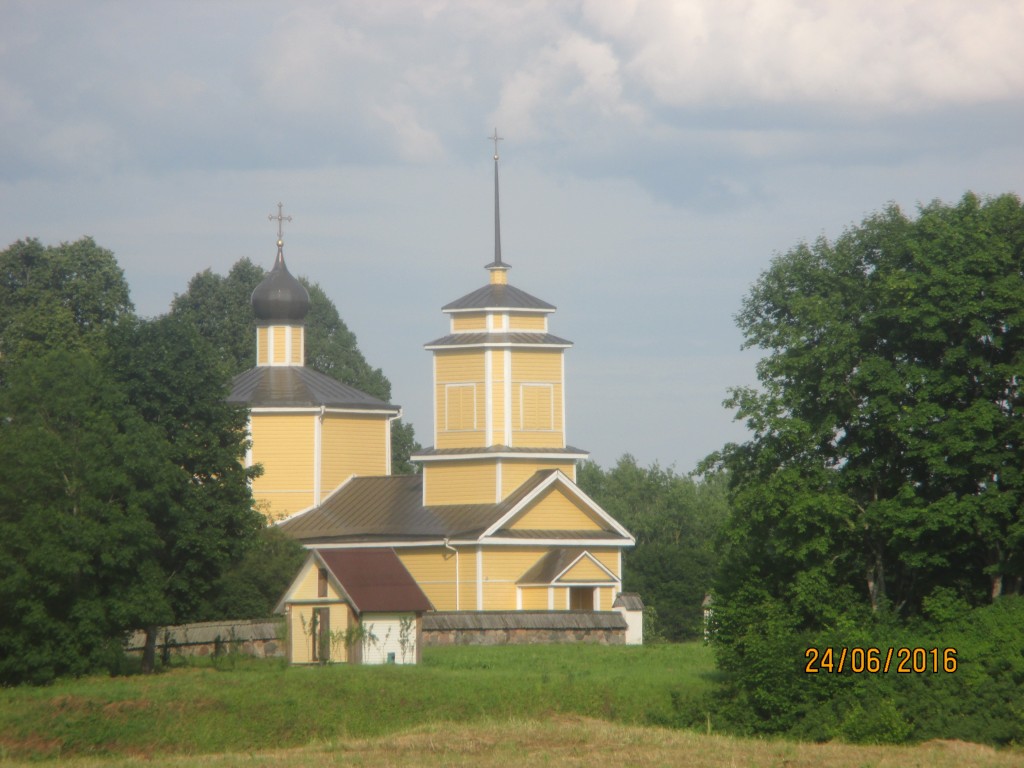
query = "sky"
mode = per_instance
[{"x": 657, "y": 155}]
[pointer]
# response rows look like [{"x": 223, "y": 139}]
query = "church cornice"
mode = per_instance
[{"x": 507, "y": 340}]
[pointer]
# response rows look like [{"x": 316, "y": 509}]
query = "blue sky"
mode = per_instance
[{"x": 657, "y": 155}]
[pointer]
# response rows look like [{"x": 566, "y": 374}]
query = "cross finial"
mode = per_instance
[
  {"x": 280, "y": 222},
  {"x": 495, "y": 138}
]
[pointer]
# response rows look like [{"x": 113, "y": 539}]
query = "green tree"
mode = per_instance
[
  {"x": 84, "y": 477},
  {"x": 176, "y": 382},
  {"x": 676, "y": 521},
  {"x": 887, "y": 447},
  {"x": 220, "y": 307},
  {"x": 58, "y": 296}
]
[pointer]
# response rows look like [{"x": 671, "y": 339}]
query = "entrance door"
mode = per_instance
[
  {"x": 581, "y": 598},
  {"x": 321, "y": 632}
]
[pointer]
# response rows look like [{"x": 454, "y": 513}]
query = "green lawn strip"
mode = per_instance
[{"x": 248, "y": 704}]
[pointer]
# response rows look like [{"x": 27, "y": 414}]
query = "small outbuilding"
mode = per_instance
[{"x": 354, "y": 605}]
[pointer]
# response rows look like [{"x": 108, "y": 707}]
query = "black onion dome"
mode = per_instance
[{"x": 280, "y": 296}]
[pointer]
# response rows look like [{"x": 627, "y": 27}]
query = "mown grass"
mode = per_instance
[
  {"x": 243, "y": 704},
  {"x": 528, "y": 706}
]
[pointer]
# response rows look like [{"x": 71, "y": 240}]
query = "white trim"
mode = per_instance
[
  {"x": 326, "y": 409},
  {"x": 551, "y": 598},
  {"x": 499, "y": 455},
  {"x": 565, "y": 431},
  {"x": 479, "y": 578},
  {"x": 597, "y": 598},
  {"x": 495, "y": 541},
  {"x": 619, "y": 577},
  {"x": 248, "y": 448},
  {"x": 387, "y": 443},
  {"x": 318, "y": 452},
  {"x": 568, "y": 599},
  {"x": 533, "y": 310},
  {"x": 556, "y": 477},
  {"x": 508, "y": 397},
  {"x": 519, "y": 598},
  {"x": 502, "y": 344},
  {"x": 592, "y": 559},
  {"x": 270, "y": 345},
  {"x": 288, "y": 344},
  {"x": 488, "y": 399}
]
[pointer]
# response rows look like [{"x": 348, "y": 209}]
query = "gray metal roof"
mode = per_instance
[
  {"x": 546, "y": 533},
  {"x": 499, "y": 339},
  {"x": 498, "y": 296},
  {"x": 388, "y": 509},
  {"x": 442, "y": 621},
  {"x": 629, "y": 601},
  {"x": 298, "y": 386},
  {"x": 548, "y": 567}
]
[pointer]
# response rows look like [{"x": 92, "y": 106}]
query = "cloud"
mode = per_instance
[{"x": 875, "y": 53}]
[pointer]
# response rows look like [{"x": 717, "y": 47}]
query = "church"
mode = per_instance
[{"x": 492, "y": 531}]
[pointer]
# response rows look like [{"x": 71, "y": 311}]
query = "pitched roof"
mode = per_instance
[
  {"x": 629, "y": 601},
  {"x": 482, "y": 339},
  {"x": 379, "y": 509},
  {"x": 498, "y": 296},
  {"x": 375, "y": 580},
  {"x": 298, "y": 386}
]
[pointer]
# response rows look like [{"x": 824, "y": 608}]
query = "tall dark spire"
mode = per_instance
[
  {"x": 497, "y": 265},
  {"x": 280, "y": 297}
]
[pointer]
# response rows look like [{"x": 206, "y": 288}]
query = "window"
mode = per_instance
[
  {"x": 537, "y": 407},
  {"x": 460, "y": 407},
  {"x": 321, "y": 583}
]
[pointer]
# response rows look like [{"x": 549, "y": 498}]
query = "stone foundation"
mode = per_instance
[
  {"x": 523, "y": 627},
  {"x": 261, "y": 639}
]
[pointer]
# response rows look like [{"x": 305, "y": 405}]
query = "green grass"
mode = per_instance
[{"x": 241, "y": 704}]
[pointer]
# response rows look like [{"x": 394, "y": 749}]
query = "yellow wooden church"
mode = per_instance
[{"x": 493, "y": 522}]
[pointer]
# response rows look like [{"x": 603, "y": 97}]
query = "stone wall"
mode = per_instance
[
  {"x": 262, "y": 639},
  {"x": 523, "y": 628}
]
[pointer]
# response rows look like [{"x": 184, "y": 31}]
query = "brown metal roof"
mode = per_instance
[
  {"x": 441, "y": 621},
  {"x": 480, "y": 339},
  {"x": 549, "y": 566},
  {"x": 390, "y": 509},
  {"x": 375, "y": 580},
  {"x": 298, "y": 386},
  {"x": 498, "y": 296}
]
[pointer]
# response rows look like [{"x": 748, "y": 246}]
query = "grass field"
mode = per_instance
[{"x": 542, "y": 705}]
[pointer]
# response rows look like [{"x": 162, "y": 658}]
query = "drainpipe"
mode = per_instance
[{"x": 453, "y": 549}]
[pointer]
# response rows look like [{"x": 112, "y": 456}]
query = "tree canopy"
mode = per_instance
[
  {"x": 882, "y": 484},
  {"x": 676, "y": 521}
]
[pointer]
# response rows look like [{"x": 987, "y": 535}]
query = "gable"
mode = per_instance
[
  {"x": 306, "y": 587},
  {"x": 556, "y": 511},
  {"x": 586, "y": 570}
]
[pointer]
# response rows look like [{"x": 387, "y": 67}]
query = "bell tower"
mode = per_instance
[{"x": 499, "y": 392}]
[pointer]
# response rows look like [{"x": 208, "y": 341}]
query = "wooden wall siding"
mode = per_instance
[
  {"x": 516, "y": 472},
  {"x": 283, "y": 444},
  {"x": 460, "y": 407},
  {"x": 279, "y": 343},
  {"x": 530, "y": 367},
  {"x": 556, "y": 511},
  {"x": 498, "y": 397},
  {"x": 434, "y": 571},
  {"x": 469, "y": 321},
  {"x": 351, "y": 444},
  {"x": 527, "y": 322},
  {"x": 298, "y": 339},
  {"x": 502, "y": 568},
  {"x": 608, "y": 557},
  {"x": 535, "y": 598},
  {"x": 585, "y": 570},
  {"x": 261, "y": 346},
  {"x": 538, "y": 407},
  {"x": 460, "y": 367},
  {"x": 300, "y": 619},
  {"x": 459, "y": 482},
  {"x": 537, "y": 365}
]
